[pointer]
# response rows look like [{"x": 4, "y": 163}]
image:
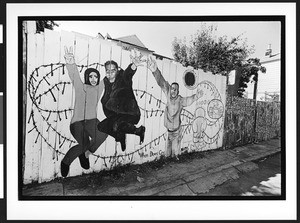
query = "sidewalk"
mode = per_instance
[{"x": 190, "y": 175}]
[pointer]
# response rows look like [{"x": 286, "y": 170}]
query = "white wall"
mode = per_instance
[{"x": 50, "y": 101}]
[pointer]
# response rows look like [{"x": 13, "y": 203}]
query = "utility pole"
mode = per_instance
[
  {"x": 255, "y": 89},
  {"x": 269, "y": 54}
]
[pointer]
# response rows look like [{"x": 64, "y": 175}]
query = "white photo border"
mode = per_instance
[{"x": 149, "y": 210}]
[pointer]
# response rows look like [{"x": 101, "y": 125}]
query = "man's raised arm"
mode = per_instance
[
  {"x": 137, "y": 60},
  {"x": 187, "y": 101},
  {"x": 164, "y": 85}
]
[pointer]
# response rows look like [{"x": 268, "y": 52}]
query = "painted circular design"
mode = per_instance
[
  {"x": 190, "y": 79},
  {"x": 215, "y": 109}
]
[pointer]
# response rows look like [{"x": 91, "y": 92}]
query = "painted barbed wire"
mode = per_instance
[
  {"x": 39, "y": 134},
  {"x": 185, "y": 113},
  {"x": 114, "y": 160},
  {"x": 156, "y": 141},
  {"x": 62, "y": 65},
  {"x": 50, "y": 90},
  {"x": 32, "y": 89},
  {"x": 130, "y": 155},
  {"x": 32, "y": 93},
  {"x": 159, "y": 102}
]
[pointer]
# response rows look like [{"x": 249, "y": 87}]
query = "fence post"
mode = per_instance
[
  {"x": 255, "y": 122},
  {"x": 255, "y": 89},
  {"x": 24, "y": 76},
  {"x": 225, "y": 132},
  {"x": 27, "y": 27}
]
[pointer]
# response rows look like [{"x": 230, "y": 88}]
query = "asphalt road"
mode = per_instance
[{"x": 264, "y": 181}]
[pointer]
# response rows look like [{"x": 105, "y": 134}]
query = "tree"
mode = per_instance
[
  {"x": 218, "y": 55},
  {"x": 248, "y": 70},
  {"x": 44, "y": 24}
]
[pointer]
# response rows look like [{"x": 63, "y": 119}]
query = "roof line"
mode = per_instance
[
  {"x": 133, "y": 44},
  {"x": 270, "y": 61},
  {"x": 127, "y": 36}
]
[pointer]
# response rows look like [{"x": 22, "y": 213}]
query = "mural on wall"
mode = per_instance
[
  {"x": 173, "y": 109},
  {"x": 209, "y": 116},
  {"x": 119, "y": 106},
  {"x": 84, "y": 118},
  {"x": 63, "y": 102}
]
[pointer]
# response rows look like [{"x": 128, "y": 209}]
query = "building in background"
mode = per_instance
[
  {"x": 233, "y": 82},
  {"x": 268, "y": 85},
  {"x": 130, "y": 42}
]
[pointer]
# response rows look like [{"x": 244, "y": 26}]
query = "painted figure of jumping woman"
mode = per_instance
[{"x": 84, "y": 121}]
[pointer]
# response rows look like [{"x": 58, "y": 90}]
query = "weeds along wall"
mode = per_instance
[
  {"x": 50, "y": 102},
  {"x": 239, "y": 121},
  {"x": 248, "y": 121},
  {"x": 268, "y": 124}
]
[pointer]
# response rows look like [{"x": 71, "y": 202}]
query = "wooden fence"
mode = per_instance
[
  {"x": 248, "y": 121},
  {"x": 50, "y": 101}
]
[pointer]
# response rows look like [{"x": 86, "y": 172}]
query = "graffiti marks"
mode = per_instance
[{"x": 151, "y": 152}]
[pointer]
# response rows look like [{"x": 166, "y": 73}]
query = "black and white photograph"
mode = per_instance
[
  {"x": 118, "y": 110},
  {"x": 195, "y": 108}
]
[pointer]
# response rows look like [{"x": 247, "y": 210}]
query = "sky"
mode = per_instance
[{"x": 158, "y": 36}]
